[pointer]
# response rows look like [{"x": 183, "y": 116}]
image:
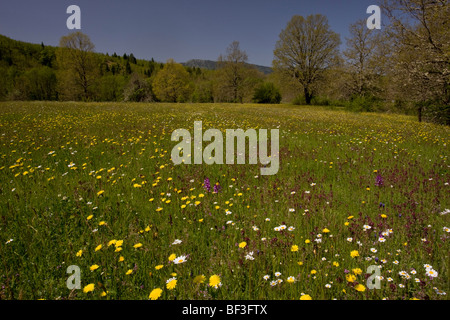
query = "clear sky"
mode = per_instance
[{"x": 178, "y": 29}]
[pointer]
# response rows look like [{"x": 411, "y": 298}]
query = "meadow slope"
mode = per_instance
[{"x": 93, "y": 185}]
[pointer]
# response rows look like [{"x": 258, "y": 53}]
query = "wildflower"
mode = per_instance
[
  {"x": 130, "y": 271},
  {"x": 273, "y": 283},
  {"x": 155, "y": 294},
  {"x": 290, "y": 279},
  {"x": 328, "y": 285},
  {"x": 93, "y": 267},
  {"x": 159, "y": 267},
  {"x": 294, "y": 248},
  {"x": 354, "y": 253},
  {"x": 180, "y": 259},
  {"x": 207, "y": 184},
  {"x": 177, "y": 241},
  {"x": 350, "y": 277},
  {"x": 335, "y": 263},
  {"x": 357, "y": 271},
  {"x": 137, "y": 245},
  {"x": 325, "y": 230},
  {"x": 277, "y": 274},
  {"x": 307, "y": 241},
  {"x": 79, "y": 253},
  {"x": 199, "y": 279},
  {"x": 215, "y": 281},
  {"x": 100, "y": 192},
  {"x": 171, "y": 283},
  {"x": 266, "y": 277},
  {"x": 249, "y": 256},
  {"x": 172, "y": 257},
  {"x": 305, "y": 297},
  {"x": 360, "y": 288},
  {"x": 349, "y": 239},
  {"x": 88, "y": 288},
  {"x": 431, "y": 273},
  {"x": 379, "y": 181},
  {"x": 366, "y": 227},
  {"x": 112, "y": 242},
  {"x": 242, "y": 244},
  {"x": 98, "y": 247}
]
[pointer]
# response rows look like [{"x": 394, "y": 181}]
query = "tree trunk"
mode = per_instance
[{"x": 308, "y": 96}]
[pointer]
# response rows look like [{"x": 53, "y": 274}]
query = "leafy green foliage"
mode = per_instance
[{"x": 267, "y": 93}]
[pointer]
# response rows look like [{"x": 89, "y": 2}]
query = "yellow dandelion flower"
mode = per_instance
[
  {"x": 112, "y": 242},
  {"x": 79, "y": 253},
  {"x": 242, "y": 244},
  {"x": 307, "y": 241},
  {"x": 100, "y": 192},
  {"x": 94, "y": 267},
  {"x": 159, "y": 267},
  {"x": 130, "y": 271},
  {"x": 360, "y": 288},
  {"x": 199, "y": 279},
  {"x": 172, "y": 257},
  {"x": 294, "y": 248},
  {"x": 90, "y": 217},
  {"x": 155, "y": 294},
  {"x": 350, "y": 277},
  {"x": 305, "y": 297},
  {"x": 354, "y": 253},
  {"x": 118, "y": 243},
  {"x": 325, "y": 230},
  {"x": 121, "y": 259},
  {"x": 214, "y": 280},
  {"x": 98, "y": 247},
  {"x": 89, "y": 288},
  {"x": 313, "y": 271},
  {"x": 171, "y": 284},
  {"x": 357, "y": 271},
  {"x": 137, "y": 245}
]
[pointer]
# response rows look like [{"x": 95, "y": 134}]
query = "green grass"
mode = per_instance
[{"x": 115, "y": 147}]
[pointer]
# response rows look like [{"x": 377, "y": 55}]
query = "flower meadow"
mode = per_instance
[{"x": 93, "y": 185}]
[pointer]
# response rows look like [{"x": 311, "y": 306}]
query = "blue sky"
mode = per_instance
[{"x": 178, "y": 29}]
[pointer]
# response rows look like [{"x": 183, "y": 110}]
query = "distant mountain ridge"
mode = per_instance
[{"x": 212, "y": 65}]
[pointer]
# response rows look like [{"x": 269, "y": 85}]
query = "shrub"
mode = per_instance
[{"x": 267, "y": 93}]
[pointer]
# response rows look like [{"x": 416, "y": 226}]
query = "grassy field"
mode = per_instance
[{"x": 93, "y": 185}]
